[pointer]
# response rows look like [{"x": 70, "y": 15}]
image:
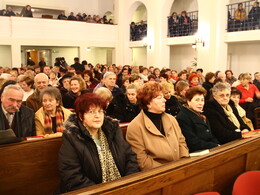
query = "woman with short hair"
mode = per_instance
[
  {"x": 93, "y": 149},
  {"x": 223, "y": 117},
  {"x": 155, "y": 136},
  {"x": 50, "y": 117},
  {"x": 194, "y": 125}
]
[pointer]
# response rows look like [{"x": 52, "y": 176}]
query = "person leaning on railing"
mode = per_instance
[{"x": 240, "y": 17}]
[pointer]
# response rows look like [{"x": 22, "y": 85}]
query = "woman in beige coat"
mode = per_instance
[
  {"x": 155, "y": 136},
  {"x": 50, "y": 117}
]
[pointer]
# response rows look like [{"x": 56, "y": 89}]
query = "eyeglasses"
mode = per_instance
[
  {"x": 94, "y": 113},
  {"x": 224, "y": 95}
]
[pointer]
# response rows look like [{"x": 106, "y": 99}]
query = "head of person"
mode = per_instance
[
  {"x": 245, "y": 79},
  {"x": 229, "y": 74},
  {"x": 151, "y": 77},
  {"x": 222, "y": 76},
  {"x": 77, "y": 84},
  {"x": 105, "y": 94},
  {"x": 256, "y": 4},
  {"x": 156, "y": 72},
  {"x": 41, "y": 81},
  {"x": 181, "y": 88},
  {"x": 163, "y": 77},
  {"x": 90, "y": 110},
  {"x": 150, "y": 97},
  {"x": 182, "y": 75},
  {"x": 47, "y": 70},
  {"x": 210, "y": 77},
  {"x": 28, "y": 7},
  {"x": 51, "y": 99},
  {"x": 12, "y": 98},
  {"x": 26, "y": 83},
  {"x": 87, "y": 75},
  {"x": 235, "y": 95},
  {"x": 53, "y": 75},
  {"x": 199, "y": 71},
  {"x": 174, "y": 14},
  {"x": 109, "y": 80},
  {"x": 131, "y": 92},
  {"x": 144, "y": 71},
  {"x": 166, "y": 90},
  {"x": 240, "y": 6},
  {"x": 195, "y": 98},
  {"x": 125, "y": 81},
  {"x": 125, "y": 72},
  {"x": 65, "y": 81},
  {"x": 76, "y": 59},
  {"x": 221, "y": 93},
  {"x": 135, "y": 78},
  {"x": 193, "y": 79},
  {"x": 183, "y": 13},
  {"x": 174, "y": 73},
  {"x": 257, "y": 76}
]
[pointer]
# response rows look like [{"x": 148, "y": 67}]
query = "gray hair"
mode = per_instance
[
  {"x": 219, "y": 87},
  {"x": 108, "y": 74},
  {"x": 41, "y": 75},
  {"x": 15, "y": 87},
  {"x": 104, "y": 93}
]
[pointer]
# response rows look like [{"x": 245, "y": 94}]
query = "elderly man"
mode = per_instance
[
  {"x": 41, "y": 81},
  {"x": 14, "y": 115}
]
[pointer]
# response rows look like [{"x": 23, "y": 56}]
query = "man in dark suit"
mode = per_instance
[
  {"x": 14, "y": 115},
  {"x": 77, "y": 65}
]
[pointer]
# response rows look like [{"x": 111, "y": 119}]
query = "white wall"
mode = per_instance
[
  {"x": 105, "y": 6},
  {"x": 140, "y": 14},
  {"x": 5, "y": 56},
  {"x": 244, "y": 57},
  {"x": 140, "y": 56},
  {"x": 98, "y": 55},
  {"x": 181, "y": 56},
  {"x": 184, "y": 5}
]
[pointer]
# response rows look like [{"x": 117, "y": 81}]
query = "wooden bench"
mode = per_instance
[{"x": 31, "y": 167}]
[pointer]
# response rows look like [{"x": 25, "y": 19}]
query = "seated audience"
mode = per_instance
[
  {"x": 172, "y": 105},
  {"x": 13, "y": 114},
  {"x": 229, "y": 77},
  {"x": 93, "y": 149},
  {"x": 194, "y": 125},
  {"x": 235, "y": 97},
  {"x": 126, "y": 107},
  {"x": 76, "y": 88},
  {"x": 180, "y": 90},
  {"x": 9, "y": 12},
  {"x": 256, "y": 81},
  {"x": 155, "y": 136},
  {"x": 208, "y": 84},
  {"x": 91, "y": 82},
  {"x": 72, "y": 17},
  {"x": 225, "y": 122},
  {"x": 41, "y": 81},
  {"x": 62, "y": 16},
  {"x": 50, "y": 117},
  {"x": 250, "y": 98}
]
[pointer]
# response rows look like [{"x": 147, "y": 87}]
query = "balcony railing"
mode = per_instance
[
  {"x": 247, "y": 17},
  {"x": 177, "y": 28}
]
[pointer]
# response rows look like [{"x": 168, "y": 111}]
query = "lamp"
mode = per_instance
[
  {"x": 88, "y": 49},
  {"x": 198, "y": 42}
]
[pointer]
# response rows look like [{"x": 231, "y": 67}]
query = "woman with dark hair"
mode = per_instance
[
  {"x": 91, "y": 82},
  {"x": 93, "y": 149},
  {"x": 26, "y": 11},
  {"x": 208, "y": 84},
  {"x": 185, "y": 24},
  {"x": 155, "y": 136},
  {"x": 225, "y": 122},
  {"x": 194, "y": 125},
  {"x": 50, "y": 117}
]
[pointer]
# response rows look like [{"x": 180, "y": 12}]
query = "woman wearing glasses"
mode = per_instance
[
  {"x": 225, "y": 122},
  {"x": 93, "y": 149}
]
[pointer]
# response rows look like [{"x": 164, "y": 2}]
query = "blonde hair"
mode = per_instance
[{"x": 104, "y": 93}]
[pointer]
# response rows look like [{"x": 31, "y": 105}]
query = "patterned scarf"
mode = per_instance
[
  {"x": 231, "y": 116},
  {"x": 59, "y": 121},
  {"x": 108, "y": 166}
]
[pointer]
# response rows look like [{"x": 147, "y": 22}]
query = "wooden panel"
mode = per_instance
[
  {"x": 253, "y": 162},
  {"x": 30, "y": 167}
]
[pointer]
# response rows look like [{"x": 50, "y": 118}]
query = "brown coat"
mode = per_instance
[
  {"x": 152, "y": 148},
  {"x": 33, "y": 101}
]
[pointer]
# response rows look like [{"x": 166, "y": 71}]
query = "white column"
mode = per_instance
[{"x": 16, "y": 55}]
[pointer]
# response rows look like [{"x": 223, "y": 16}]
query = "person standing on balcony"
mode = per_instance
[
  {"x": 27, "y": 11},
  {"x": 254, "y": 15},
  {"x": 240, "y": 17},
  {"x": 185, "y": 24}
]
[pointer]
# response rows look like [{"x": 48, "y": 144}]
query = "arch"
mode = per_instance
[
  {"x": 133, "y": 8},
  {"x": 109, "y": 15}
]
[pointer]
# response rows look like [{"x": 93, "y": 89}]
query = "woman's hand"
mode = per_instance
[{"x": 249, "y": 99}]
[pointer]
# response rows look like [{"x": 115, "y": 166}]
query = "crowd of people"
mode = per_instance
[
  {"x": 27, "y": 12},
  {"x": 170, "y": 114}
]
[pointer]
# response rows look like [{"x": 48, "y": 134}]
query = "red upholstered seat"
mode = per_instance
[{"x": 247, "y": 183}]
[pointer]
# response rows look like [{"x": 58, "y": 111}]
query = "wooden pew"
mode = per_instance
[
  {"x": 215, "y": 171},
  {"x": 30, "y": 167}
]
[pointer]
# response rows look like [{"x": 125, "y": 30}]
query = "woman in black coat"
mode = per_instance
[
  {"x": 194, "y": 126},
  {"x": 93, "y": 149},
  {"x": 224, "y": 119}
]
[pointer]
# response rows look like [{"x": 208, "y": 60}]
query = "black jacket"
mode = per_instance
[
  {"x": 23, "y": 122},
  {"x": 222, "y": 127},
  {"x": 79, "y": 163},
  {"x": 208, "y": 86},
  {"x": 196, "y": 130},
  {"x": 172, "y": 106},
  {"x": 123, "y": 110}
]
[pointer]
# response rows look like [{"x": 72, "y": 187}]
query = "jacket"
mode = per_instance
[
  {"x": 39, "y": 120},
  {"x": 152, "y": 148},
  {"x": 172, "y": 106},
  {"x": 222, "y": 127},
  {"x": 33, "y": 101},
  {"x": 79, "y": 163},
  {"x": 196, "y": 131},
  {"x": 23, "y": 122}
]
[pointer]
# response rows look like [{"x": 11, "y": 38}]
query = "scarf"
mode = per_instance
[
  {"x": 231, "y": 116},
  {"x": 109, "y": 169},
  {"x": 59, "y": 121},
  {"x": 242, "y": 114}
]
